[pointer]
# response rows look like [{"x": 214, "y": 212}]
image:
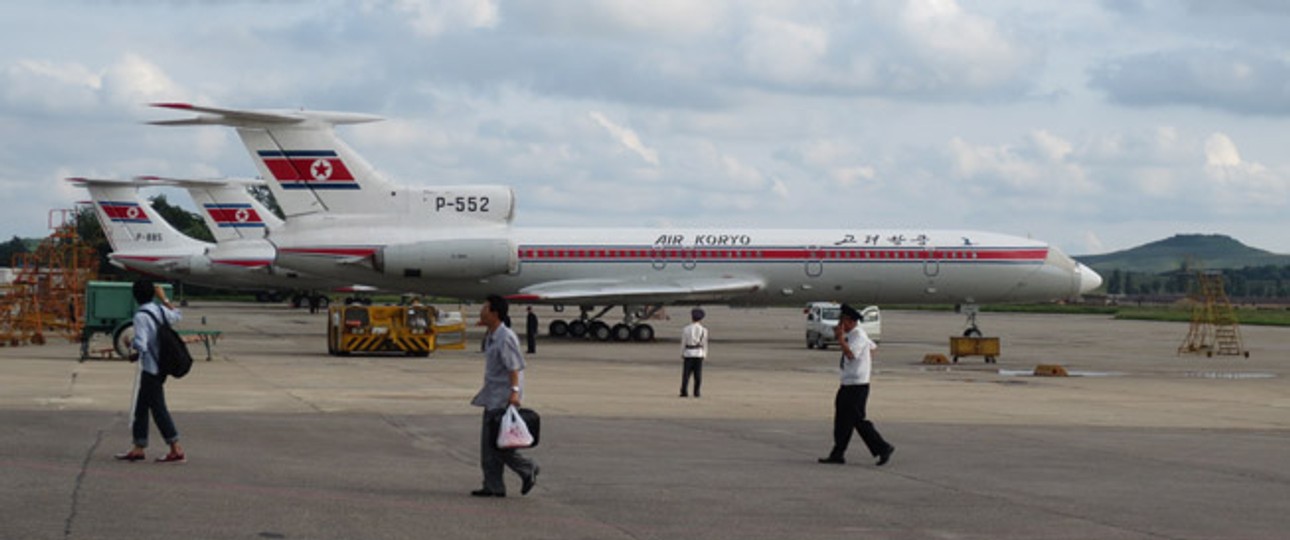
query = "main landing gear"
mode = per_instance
[{"x": 590, "y": 326}]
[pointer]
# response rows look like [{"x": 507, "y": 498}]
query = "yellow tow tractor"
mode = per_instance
[{"x": 381, "y": 329}]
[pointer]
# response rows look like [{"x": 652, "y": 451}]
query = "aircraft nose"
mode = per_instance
[{"x": 1088, "y": 279}]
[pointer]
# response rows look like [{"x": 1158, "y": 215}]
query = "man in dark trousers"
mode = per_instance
[
  {"x": 531, "y": 330},
  {"x": 503, "y": 386},
  {"x": 853, "y": 395}
]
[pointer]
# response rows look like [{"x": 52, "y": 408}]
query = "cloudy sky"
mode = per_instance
[{"x": 1096, "y": 126}]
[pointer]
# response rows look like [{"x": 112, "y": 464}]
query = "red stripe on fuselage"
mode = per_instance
[{"x": 598, "y": 253}]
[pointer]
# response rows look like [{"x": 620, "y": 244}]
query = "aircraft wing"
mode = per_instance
[{"x": 629, "y": 291}]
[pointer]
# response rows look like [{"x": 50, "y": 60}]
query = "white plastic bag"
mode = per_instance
[{"x": 514, "y": 433}]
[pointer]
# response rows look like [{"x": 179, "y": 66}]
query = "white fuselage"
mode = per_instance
[{"x": 789, "y": 266}]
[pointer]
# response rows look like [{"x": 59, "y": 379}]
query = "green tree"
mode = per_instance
[
  {"x": 11, "y": 248},
  {"x": 186, "y": 222},
  {"x": 262, "y": 194},
  {"x": 1115, "y": 284}
]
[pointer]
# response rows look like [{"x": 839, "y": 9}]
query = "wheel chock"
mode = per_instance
[
  {"x": 1050, "y": 370},
  {"x": 935, "y": 358}
]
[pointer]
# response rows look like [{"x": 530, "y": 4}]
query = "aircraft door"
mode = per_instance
[
  {"x": 814, "y": 261},
  {"x": 658, "y": 257},
  {"x": 931, "y": 263},
  {"x": 688, "y": 258}
]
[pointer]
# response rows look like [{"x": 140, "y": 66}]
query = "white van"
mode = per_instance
[{"x": 822, "y": 318}]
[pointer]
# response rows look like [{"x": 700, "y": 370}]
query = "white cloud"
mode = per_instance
[
  {"x": 1092, "y": 243},
  {"x": 49, "y": 86},
  {"x": 850, "y": 176},
  {"x": 46, "y": 85},
  {"x": 133, "y": 80},
  {"x": 1220, "y": 152},
  {"x": 627, "y": 138},
  {"x": 1041, "y": 165},
  {"x": 785, "y": 52},
  {"x": 432, "y": 18},
  {"x": 960, "y": 47},
  {"x": 1240, "y": 184}
]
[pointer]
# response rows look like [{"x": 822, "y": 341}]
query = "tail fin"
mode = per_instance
[
  {"x": 141, "y": 239},
  {"x": 230, "y": 211},
  {"x": 129, "y": 221},
  {"x": 308, "y": 167}
]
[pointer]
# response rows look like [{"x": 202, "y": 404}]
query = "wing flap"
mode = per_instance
[{"x": 622, "y": 291}]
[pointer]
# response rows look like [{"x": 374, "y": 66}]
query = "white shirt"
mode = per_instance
[
  {"x": 856, "y": 370},
  {"x": 501, "y": 357},
  {"x": 694, "y": 341}
]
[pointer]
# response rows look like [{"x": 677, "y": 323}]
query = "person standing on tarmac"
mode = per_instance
[
  {"x": 149, "y": 389},
  {"x": 694, "y": 348},
  {"x": 853, "y": 396},
  {"x": 531, "y": 330}
]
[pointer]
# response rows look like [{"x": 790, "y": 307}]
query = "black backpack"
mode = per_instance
[{"x": 172, "y": 353}]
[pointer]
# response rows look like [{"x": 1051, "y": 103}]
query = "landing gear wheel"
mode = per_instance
[
  {"x": 600, "y": 331},
  {"x": 621, "y": 332},
  {"x": 577, "y": 329},
  {"x": 972, "y": 331},
  {"x": 643, "y": 332},
  {"x": 558, "y": 328}
]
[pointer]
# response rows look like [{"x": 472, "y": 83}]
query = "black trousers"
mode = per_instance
[
  {"x": 150, "y": 396},
  {"x": 693, "y": 366},
  {"x": 849, "y": 414},
  {"x": 492, "y": 458}
]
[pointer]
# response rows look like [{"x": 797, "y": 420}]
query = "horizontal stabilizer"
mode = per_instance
[
  {"x": 259, "y": 118},
  {"x": 199, "y": 182},
  {"x": 104, "y": 181}
]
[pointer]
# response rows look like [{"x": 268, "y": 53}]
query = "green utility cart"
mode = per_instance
[{"x": 109, "y": 309}]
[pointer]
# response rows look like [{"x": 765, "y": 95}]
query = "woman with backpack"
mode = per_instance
[{"x": 149, "y": 390}]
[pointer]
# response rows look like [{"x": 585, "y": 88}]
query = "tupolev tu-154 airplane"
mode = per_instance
[{"x": 346, "y": 221}]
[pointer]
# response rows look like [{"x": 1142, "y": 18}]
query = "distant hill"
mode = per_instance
[{"x": 1207, "y": 251}]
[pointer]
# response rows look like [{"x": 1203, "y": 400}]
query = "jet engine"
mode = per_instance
[
  {"x": 199, "y": 265},
  {"x": 457, "y": 258}
]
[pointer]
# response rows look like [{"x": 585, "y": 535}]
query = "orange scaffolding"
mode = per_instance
[
  {"x": 1214, "y": 327},
  {"x": 47, "y": 296}
]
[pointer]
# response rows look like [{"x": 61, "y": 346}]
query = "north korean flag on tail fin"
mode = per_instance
[
  {"x": 308, "y": 169},
  {"x": 124, "y": 212},
  {"x": 235, "y": 215}
]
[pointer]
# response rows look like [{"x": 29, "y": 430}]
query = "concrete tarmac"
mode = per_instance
[{"x": 287, "y": 442}]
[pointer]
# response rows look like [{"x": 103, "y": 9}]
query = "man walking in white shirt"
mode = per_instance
[{"x": 853, "y": 395}]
